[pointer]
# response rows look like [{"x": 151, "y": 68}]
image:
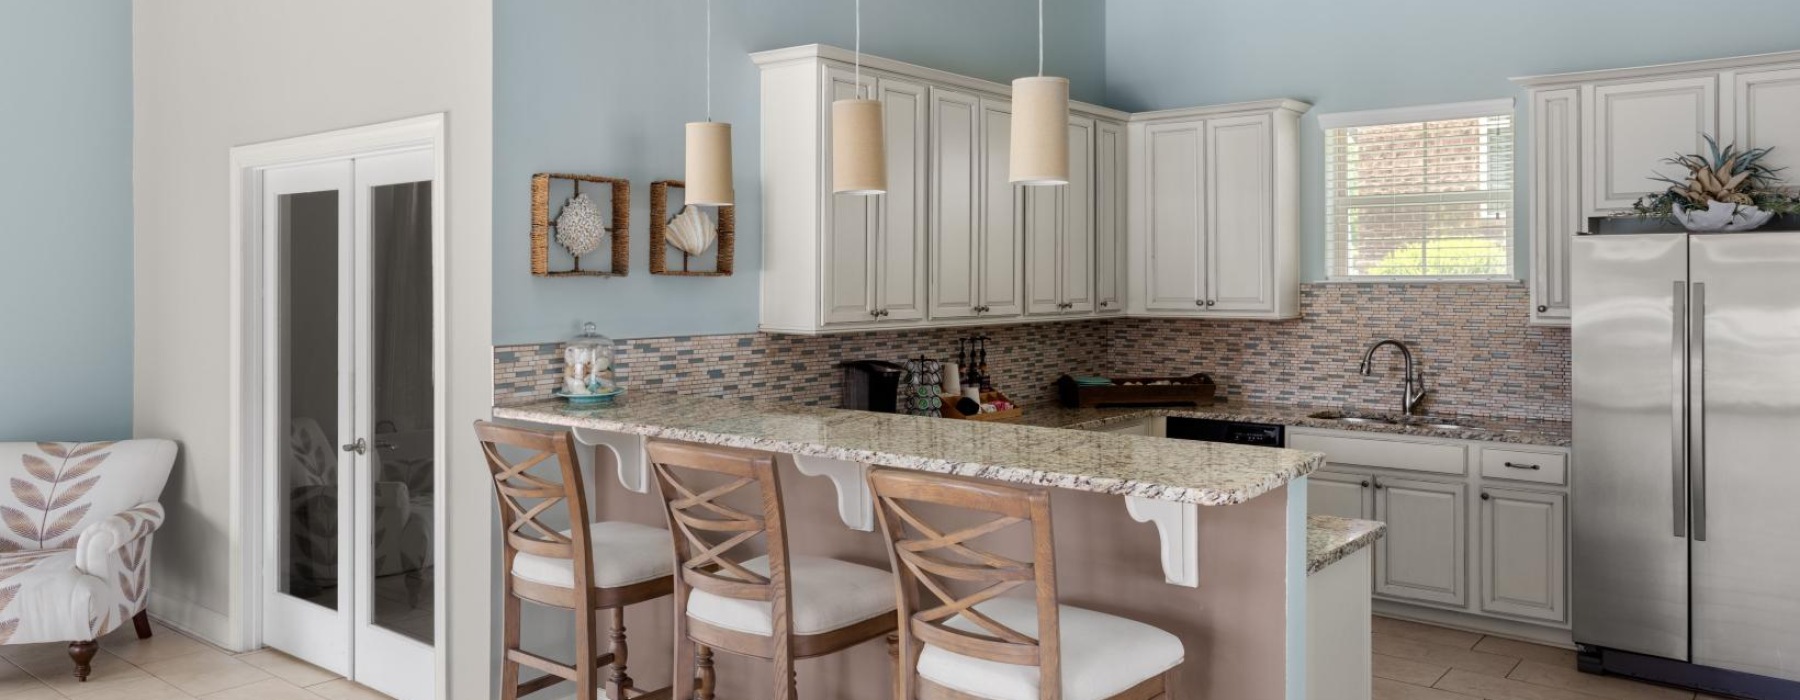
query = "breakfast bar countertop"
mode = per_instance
[
  {"x": 1330, "y": 538},
  {"x": 1202, "y": 473}
]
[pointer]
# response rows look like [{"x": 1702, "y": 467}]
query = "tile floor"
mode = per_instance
[
  {"x": 167, "y": 666},
  {"x": 1422, "y": 662}
]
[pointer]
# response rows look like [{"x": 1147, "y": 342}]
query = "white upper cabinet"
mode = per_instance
[
  {"x": 1638, "y": 125},
  {"x": 1215, "y": 193},
  {"x": 1109, "y": 217},
  {"x": 1598, "y": 137},
  {"x": 1059, "y": 242},
  {"x": 954, "y": 243}
]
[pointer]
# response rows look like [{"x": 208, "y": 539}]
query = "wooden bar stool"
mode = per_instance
[
  {"x": 988, "y": 646},
  {"x": 775, "y": 606},
  {"x": 603, "y": 566}
]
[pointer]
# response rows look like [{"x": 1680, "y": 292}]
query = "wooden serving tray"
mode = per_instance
[
  {"x": 1196, "y": 390},
  {"x": 949, "y": 409}
]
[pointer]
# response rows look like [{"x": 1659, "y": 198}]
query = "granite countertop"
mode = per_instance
[
  {"x": 1524, "y": 432},
  {"x": 1208, "y": 474},
  {"x": 1330, "y": 538}
]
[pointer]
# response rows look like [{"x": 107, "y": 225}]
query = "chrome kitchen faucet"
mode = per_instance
[{"x": 1415, "y": 384}]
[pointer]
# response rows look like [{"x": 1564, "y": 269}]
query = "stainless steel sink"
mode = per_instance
[
  {"x": 1432, "y": 422},
  {"x": 1354, "y": 418}
]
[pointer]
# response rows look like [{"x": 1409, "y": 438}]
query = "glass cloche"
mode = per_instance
[{"x": 588, "y": 364}]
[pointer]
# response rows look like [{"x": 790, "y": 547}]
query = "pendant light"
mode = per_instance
[
  {"x": 708, "y": 179},
  {"x": 858, "y": 145},
  {"x": 1040, "y": 128}
]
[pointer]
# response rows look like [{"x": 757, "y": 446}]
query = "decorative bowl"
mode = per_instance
[{"x": 1722, "y": 217}]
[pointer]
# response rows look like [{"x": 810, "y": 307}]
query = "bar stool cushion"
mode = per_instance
[
  {"x": 828, "y": 595},
  {"x": 1102, "y": 655},
  {"x": 624, "y": 554}
]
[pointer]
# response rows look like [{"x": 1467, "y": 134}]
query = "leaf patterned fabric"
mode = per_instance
[{"x": 76, "y": 525}]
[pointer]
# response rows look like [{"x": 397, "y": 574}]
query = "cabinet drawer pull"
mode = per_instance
[{"x": 1522, "y": 465}]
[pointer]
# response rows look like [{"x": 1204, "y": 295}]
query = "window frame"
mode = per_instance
[{"x": 1419, "y": 113}]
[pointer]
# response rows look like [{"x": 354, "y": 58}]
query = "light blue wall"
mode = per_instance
[
  {"x": 1345, "y": 56},
  {"x": 604, "y": 86},
  {"x": 65, "y": 219}
]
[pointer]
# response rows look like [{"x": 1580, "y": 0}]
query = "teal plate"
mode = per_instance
[{"x": 591, "y": 399}]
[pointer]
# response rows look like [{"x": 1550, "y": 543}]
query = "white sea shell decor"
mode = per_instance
[
  {"x": 1722, "y": 217},
  {"x": 692, "y": 231},
  {"x": 579, "y": 228}
]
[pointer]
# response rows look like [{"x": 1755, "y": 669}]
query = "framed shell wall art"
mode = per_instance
[
  {"x": 686, "y": 236},
  {"x": 582, "y": 225}
]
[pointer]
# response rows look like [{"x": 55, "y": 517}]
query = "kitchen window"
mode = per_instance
[{"x": 1420, "y": 193}]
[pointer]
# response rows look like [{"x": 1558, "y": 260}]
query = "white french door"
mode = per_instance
[{"x": 352, "y": 429}]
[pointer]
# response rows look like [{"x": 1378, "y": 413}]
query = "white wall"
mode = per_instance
[{"x": 213, "y": 74}]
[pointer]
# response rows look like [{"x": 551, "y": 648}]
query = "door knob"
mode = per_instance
[{"x": 360, "y": 447}]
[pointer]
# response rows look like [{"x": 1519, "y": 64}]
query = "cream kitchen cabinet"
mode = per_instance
[
  {"x": 1110, "y": 166},
  {"x": 1597, "y": 138},
  {"x": 947, "y": 245},
  {"x": 1477, "y": 532},
  {"x": 974, "y": 231},
  {"x": 1059, "y": 234},
  {"x": 1216, "y": 195}
]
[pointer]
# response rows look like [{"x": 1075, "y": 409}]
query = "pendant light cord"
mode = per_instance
[
  {"x": 709, "y": 60},
  {"x": 859, "y": 46},
  {"x": 1040, "y": 38}
]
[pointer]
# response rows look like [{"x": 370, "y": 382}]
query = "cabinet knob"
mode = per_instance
[
  {"x": 1542, "y": 308},
  {"x": 1365, "y": 483},
  {"x": 1484, "y": 496},
  {"x": 884, "y": 312},
  {"x": 1199, "y": 302},
  {"x": 1104, "y": 304},
  {"x": 1209, "y": 302},
  {"x": 1378, "y": 484}
]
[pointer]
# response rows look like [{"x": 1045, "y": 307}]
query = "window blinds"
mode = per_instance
[{"x": 1420, "y": 199}]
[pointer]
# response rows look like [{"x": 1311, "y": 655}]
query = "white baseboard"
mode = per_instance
[
  {"x": 1479, "y": 624},
  {"x": 194, "y": 620}
]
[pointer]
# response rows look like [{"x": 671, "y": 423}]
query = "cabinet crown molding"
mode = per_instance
[
  {"x": 1259, "y": 106},
  {"x": 1711, "y": 65},
  {"x": 815, "y": 52}
]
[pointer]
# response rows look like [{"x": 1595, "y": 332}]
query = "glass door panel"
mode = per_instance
[{"x": 306, "y": 238}]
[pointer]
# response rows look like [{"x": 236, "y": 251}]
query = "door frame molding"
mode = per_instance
[{"x": 246, "y": 402}]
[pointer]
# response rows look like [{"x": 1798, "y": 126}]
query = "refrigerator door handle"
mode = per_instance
[
  {"x": 1697, "y": 408},
  {"x": 1679, "y": 407}
]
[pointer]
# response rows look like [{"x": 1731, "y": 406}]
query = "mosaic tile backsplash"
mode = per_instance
[{"x": 1472, "y": 340}]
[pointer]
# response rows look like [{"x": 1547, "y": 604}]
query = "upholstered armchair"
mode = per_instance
[{"x": 75, "y": 530}]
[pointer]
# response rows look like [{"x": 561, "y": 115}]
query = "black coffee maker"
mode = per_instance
[{"x": 872, "y": 385}]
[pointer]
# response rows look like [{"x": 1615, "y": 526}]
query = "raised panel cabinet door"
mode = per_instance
[
  {"x": 956, "y": 161},
  {"x": 1424, "y": 556},
  {"x": 1636, "y": 126},
  {"x": 1556, "y": 200},
  {"x": 1523, "y": 540},
  {"x": 900, "y": 249},
  {"x": 1174, "y": 224},
  {"x": 1765, "y": 103},
  {"x": 1075, "y": 276},
  {"x": 847, "y": 293},
  {"x": 1043, "y": 241},
  {"x": 1240, "y": 208},
  {"x": 1002, "y": 235},
  {"x": 1342, "y": 494},
  {"x": 1109, "y": 217}
]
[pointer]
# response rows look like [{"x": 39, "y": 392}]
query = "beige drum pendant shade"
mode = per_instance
[
  {"x": 858, "y": 155},
  {"x": 708, "y": 180},
  {"x": 1040, "y": 131}
]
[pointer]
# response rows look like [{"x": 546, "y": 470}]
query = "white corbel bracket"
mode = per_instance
[
  {"x": 627, "y": 449},
  {"x": 855, "y": 505},
  {"x": 1178, "y": 525}
]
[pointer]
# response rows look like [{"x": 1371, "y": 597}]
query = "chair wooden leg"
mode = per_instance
[
  {"x": 509, "y": 669},
  {"x": 708, "y": 681},
  {"x": 83, "y": 655},
  {"x": 587, "y": 676},
  {"x": 620, "y": 682},
  {"x": 142, "y": 622}
]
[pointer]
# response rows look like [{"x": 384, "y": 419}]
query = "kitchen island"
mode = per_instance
[{"x": 1206, "y": 540}]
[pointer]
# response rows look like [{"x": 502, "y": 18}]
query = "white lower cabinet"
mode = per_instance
[
  {"x": 1476, "y": 529},
  {"x": 1523, "y": 534},
  {"x": 1425, "y": 553}
]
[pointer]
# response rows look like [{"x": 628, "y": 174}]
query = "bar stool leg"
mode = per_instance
[
  {"x": 509, "y": 669},
  {"x": 620, "y": 681},
  {"x": 893, "y": 644},
  {"x": 708, "y": 681}
]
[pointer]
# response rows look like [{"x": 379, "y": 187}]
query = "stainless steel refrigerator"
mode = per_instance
[{"x": 1686, "y": 526}]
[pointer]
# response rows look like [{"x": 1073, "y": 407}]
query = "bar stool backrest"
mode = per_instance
[
  {"x": 525, "y": 498},
  {"x": 708, "y": 533},
  {"x": 926, "y": 558}
]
